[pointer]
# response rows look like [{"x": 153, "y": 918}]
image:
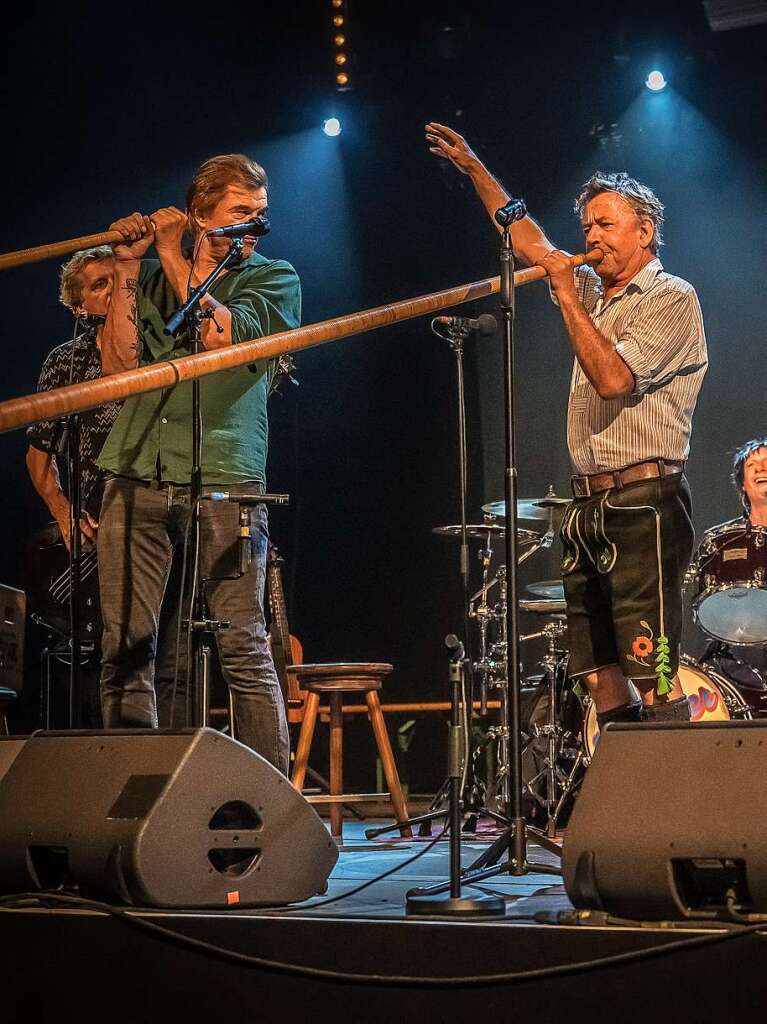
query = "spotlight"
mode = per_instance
[
  {"x": 655, "y": 81},
  {"x": 331, "y": 127}
]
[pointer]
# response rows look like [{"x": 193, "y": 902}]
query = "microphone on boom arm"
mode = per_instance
[{"x": 256, "y": 227}]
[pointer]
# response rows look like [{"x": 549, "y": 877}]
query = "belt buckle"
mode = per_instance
[{"x": 581, "y": 487}]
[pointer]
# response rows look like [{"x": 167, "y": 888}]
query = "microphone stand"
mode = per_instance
[
  {"x": 456, "y": 333},
  {"x": 191, "y": 315},
  {"x": 70, "y": 443},
  {"x": 430, "y": 901},
  {"x": 75, "y": 564},
  {"x": 512, "y": 840}
]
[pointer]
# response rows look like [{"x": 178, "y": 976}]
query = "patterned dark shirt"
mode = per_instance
[{"x": 71, "y": 363}]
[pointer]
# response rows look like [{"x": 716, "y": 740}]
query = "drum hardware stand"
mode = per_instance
[
  {"x": 513, "y": 841},
  {"x": 556, "y": 780},
  {"x": 494, "y": 675}
]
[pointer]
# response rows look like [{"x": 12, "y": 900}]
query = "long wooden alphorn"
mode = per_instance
[
  {"x": 48, "y": 252},
  {"x": 49, "y": 405}
]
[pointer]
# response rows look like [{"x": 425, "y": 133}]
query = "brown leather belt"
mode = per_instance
[{"x": 585, "y": 486}]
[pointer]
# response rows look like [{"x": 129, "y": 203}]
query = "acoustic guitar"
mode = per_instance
[{"x": 286, "y": 649}]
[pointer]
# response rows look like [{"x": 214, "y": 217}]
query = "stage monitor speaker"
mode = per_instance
[
  {"x": 10, "y": 748},
  {"x": 187, "y": 818},
  {"x": 669, "y": 822}
]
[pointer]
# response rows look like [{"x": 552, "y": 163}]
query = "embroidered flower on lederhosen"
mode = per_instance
[{"x": 643, "y": 646}]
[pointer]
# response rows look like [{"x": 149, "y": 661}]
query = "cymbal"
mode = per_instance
[
  {"x": 530, "y": 508},
  {"x": 544, "y": 606},
  {"x": 552, "y": 590},
  {"x": 483, "y": 531}
]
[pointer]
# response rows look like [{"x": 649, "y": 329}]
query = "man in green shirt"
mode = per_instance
[{"x": 148, "y": 455}]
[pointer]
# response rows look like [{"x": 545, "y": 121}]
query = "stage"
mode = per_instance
[{"x": 534, "y": 963}]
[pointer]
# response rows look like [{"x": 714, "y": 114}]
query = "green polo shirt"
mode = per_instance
[{"x": 155, "y": 430}]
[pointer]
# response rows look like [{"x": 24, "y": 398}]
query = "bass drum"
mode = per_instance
[{"x": 711, "y": 696}]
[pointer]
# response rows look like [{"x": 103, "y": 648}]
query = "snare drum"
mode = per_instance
[
  {"x": 731, "y": 571},
  {"x": 712, "y": 698}
]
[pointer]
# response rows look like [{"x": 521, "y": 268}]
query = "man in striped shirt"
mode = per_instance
[{"x": 640, "y": 357}]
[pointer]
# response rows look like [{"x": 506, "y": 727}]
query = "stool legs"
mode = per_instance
[
  {"x": 336, "y": 762},
  {"x": 387, "y": 759},
  {"x": 336, "y": 755},
  {"x": 305, "y": 740}
]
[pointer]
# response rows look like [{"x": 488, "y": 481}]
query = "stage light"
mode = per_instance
[
  {"x": 332, "y": 127},
  {"x": 655, "y": 81},
  {"x": 343, "y": 58}
]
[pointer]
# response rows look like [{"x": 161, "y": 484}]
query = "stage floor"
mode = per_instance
[{"x": 303, "y": 962}]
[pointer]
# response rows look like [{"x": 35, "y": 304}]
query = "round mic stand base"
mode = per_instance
[{"x": 449, "y": 906}]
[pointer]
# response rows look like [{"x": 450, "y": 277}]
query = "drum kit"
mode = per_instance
[{"x": 728, "y": 584}]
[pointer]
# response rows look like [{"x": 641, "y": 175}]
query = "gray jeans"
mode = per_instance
[{"x": 140, "y": 525}]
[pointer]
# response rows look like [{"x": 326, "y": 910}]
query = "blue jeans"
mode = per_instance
[{"x": 141, "y": 523}]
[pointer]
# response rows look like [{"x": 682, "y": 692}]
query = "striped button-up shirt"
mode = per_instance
[{"x": 656, "y": 326}]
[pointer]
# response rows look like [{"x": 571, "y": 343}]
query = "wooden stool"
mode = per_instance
[{"x": 335, "y": 680}]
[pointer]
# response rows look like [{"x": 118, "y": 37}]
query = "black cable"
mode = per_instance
[
  {"x": 370, "y": 881},
  {"x": 409, "y": 981}
]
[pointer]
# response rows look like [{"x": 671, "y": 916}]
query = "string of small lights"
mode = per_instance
[{"x": 341, "y": 61}]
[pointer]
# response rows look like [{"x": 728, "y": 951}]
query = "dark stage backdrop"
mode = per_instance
[{"x": 105, "y": 118}]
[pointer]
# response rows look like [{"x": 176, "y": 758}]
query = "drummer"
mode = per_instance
[
  {"x": 636, "y": 333},
  {"x": 749, "y": 474},
  {"x": 744, "y": 664}
]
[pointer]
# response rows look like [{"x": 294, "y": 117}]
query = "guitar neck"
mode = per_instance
[
  {"x": 282, "y": 648},
  {"x": 280, "y": 631}
]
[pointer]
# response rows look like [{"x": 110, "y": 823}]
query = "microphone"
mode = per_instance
[
  {"x": 92, "y": 319},
  {"x": 258, "y": 226},
  {"x": 515, "y": 209},
  {"x": 244, "y": 540},
  {"x": 248, "y": 500},
  {"x": 485, "y": 324}
]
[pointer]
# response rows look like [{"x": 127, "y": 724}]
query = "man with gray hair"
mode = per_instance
[
  {"x": 640, "y": 357},
  {"x": 85, "y": 290}
]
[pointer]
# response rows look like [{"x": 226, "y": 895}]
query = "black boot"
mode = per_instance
[
  {"x": 631, "y": 712},
  {"x": 677, "y": 710}
]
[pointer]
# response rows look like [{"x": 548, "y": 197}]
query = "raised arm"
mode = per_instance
[
  {"x": 527, "y": 238},
  {"x": 171, "y": 224},
  {"x": 120, "y": 342}
]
